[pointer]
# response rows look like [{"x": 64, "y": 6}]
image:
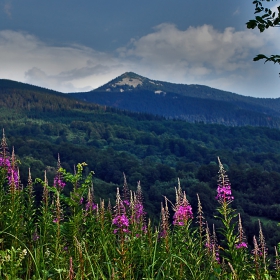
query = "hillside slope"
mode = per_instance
[
  {"x": 193, "y": 103},
  {"x": 145, "y": 148}
]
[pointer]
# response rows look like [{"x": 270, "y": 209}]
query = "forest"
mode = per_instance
[{"x": 145, "y": 148}]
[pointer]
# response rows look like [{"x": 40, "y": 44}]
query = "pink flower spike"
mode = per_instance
[
  {"x": 241, "y": 245},
  {"x": 182, "y": 215},
  {"x": 224, "y": 189}
]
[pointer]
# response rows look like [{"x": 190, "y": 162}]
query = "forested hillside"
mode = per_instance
[
  {"x": 192, "y": 103},
  {"x": 149, "y": 149}
]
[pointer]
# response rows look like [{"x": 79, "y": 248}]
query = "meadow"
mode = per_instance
[{"x": 73, "y": 236}]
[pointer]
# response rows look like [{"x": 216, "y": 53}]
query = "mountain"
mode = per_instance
[
  {"x": 21, "y": 96},
  {"x": 193, "y": 103},
  {"x": 6, "y": 84},
  {"x": 40, "y": 123}
]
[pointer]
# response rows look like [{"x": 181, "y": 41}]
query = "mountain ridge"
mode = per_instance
[
  {"x": 193, "y": 103},
  {"x": 168, "y": 86},
  {"x": 135, "y": 93}
]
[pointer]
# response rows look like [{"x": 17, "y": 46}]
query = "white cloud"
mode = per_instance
[
  {"x": 65, "y": 68},
  {"x": 201, "y": 46},
  {"x": 8, "y": 9},
  {"x": 236, "y": 12},
  {"x": 201, "y": 55}
]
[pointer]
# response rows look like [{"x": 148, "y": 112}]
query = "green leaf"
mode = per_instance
[
  {"x": 259, "y": 19},
  {"x": 260, "y": 56}
]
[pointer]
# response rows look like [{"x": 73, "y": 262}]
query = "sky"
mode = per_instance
[{"x": 73, "y": 46}]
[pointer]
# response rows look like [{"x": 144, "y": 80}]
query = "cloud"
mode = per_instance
[
  {"x": 65, "y": 68},
  {"x": 63, "y": 80},
  {"x": 200, "y": 54},
  {"x": 8, "y": 9},
  {"x": 236, "y": 12},
  {"x": 44, "y": 80},
  {"x": 197, "y": 55},
  {"x": 83, "y": 72},
  {"x": 195, "y": 47}
]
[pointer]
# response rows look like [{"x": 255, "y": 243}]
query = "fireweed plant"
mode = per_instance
[{"x": 76, "y": 237}]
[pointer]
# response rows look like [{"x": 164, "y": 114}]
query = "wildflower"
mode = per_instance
[
  {"x": 58, "y": 179},
  {"x": 45, "y": 197},
  {"x": 137, "y": 209},
  {"x": 35, "y": 236},
  {"x": 58, "y": 210},
  {"x": 182, "y": 215},
  {"x": 4, "y": 147},
  {"x": 224, "y": 188},
  {"x": 58, "y": 183},
  {"x": 183, "y": 210},
  {"x": 125, "y": 192},
  {"x": 241, "y": 238},
  {"x": 120, "y": 220},
  {"x": 212, "y": 244},
  {"x": 241, "y": 245},
  {"x": 200, "y": 216},
  {"x": 164, "y": 225},
  {"x": 256, "y": 250},
  {"x": 262, "y": 244},
  {"x": 5, "y": 162},
  {"x": 9, "y": 164},
  {"x": 224, "y": 193},
  {"x": 90, "y": 205}
]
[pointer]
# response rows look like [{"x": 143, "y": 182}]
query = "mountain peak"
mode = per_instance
[
  {"x": 130, "y": 81},
  {"x": 125, "y": 82}
]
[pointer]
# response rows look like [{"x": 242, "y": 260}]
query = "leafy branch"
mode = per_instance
[{"x": 265, "y": 19}]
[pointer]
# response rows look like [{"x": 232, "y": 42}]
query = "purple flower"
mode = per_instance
[
  {"x": 217, "y": 257},
  {"x": 126, "y": 202},
  {"x": 223, "y": 189},
  {"x": 212, "y": 248},
  {"x": 58, "y": 182},
  {"x": 13, "y": 177},
  {"x": 35, "y": 236},
  {"x": 122, "y": 222},
  {"x": 120, "y": 218},
  {"x": 224, "y": 193},
  {"x": 139, "y": 212},
  {"x": 12, "y": 171},
  {"x": 90, "y": 206},
  {"x": 182, "y": 215},
  {"x": 241, "y": 245},
  {"x": 5, "y": 162}
]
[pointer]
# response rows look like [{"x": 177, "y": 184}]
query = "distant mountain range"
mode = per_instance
[
  {"x": 193, "y": 103},
  {"x": 135, "y": 93}
]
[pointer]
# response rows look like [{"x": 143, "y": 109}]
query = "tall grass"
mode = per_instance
[{"x": 76, "y": 237}]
